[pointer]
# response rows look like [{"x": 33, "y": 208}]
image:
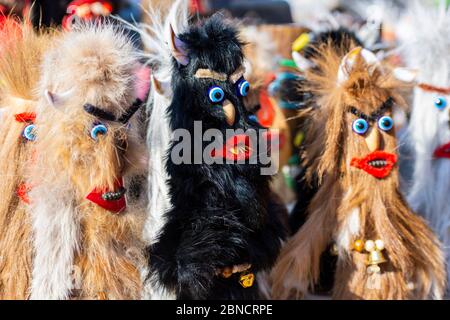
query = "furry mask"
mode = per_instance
[
  {"x": 384, "y": 250},
  {"x": 20, "y": 58},
  {"x": 429, "y": 127},
  {"x": 87, "y": 211},
  {"x": 212, "y": 243}
]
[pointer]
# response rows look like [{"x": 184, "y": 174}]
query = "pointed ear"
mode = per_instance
[
  {"x": 405, "y": 74},
  {"x": 162, "y": 88},
  {"x": 178, "y": 48},
  {"x": 347, "y": 64},
  {"x": 301, "y": 62},
  {"x": 349, "y": 61},
  {"x": 57, "y": 100}
]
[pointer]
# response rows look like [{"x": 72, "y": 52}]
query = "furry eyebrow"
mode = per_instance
[
  {"x": 99, "y": 113},
  {"x": 209, "y": 74},
  {"x": 108, "y": 116},
  {"x": 374, "y": 115},
  {"x": 235, "y": 76}
]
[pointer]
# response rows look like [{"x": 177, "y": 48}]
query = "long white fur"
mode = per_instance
[
  {"x": 155, "y": 37},
  {"x": 55, "y": 240},
  {"x": 55, "y": 219},
  {"x": 427, "y": 49},
  {"x": 348, "y": 231}
]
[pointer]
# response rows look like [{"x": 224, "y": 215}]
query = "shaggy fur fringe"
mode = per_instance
[
  {"x": 429, "y": 127},
  {"x": 219, "y": 216},
  {"x": 21, "y": 54},
  {"x": 82, "y": 250},
  {"x": 352, "y": 205}
]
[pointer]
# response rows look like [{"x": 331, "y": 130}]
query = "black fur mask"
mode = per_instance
[
  {"x": 212, "y": 46},
  {"x": 222, "y": 215}
]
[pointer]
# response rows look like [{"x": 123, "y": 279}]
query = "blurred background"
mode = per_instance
[{"x": 256, "y": 11}]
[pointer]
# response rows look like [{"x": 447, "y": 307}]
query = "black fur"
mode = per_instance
[{"x": 220, "y": 215}]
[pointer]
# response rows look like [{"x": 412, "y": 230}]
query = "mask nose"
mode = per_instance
[
  {"x": 230, "y": 112},
  {"x": 373, "y": 140}
]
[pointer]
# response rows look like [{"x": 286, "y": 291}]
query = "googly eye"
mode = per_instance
[
  {"x": 253, "y": 118},
  {"x": 385, "y": 123},
  {"x": 360, "y": 126},
  {"x": 243, "y": 87},
  {"x": 98, "y": 129},
  {"x": 440, "y": 103},
  {"x": 29, "y": 132},
  {"x": 216, "y": 94}
]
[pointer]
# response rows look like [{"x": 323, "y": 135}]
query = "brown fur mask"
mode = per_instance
[
  {"x": 20, "y": 58},
  {"x": 92, "y": 65},
  {"x": 358, "y": 200}
]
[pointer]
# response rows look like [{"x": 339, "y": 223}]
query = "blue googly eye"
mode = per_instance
[
  {"x": 29, "y": 132},
  {"x": 98, "y": 129},
  {"x": 253, "y": 118},
  {"x": 385, "y": 123},
  {"x": 243, "y": 87},
  {"x": 440, "y": 103},
  {"x": 216, "y": 94},
  {"x": 360, "y": 126}
]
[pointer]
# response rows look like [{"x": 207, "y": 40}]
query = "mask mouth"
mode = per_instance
[
  {"x": 442, "y": 152},
  {"x": 378, "y": 164},
  {"x": 114, "y": 196},
  {"x": 111, "y": 200},
  {"x": 236, "y": 148}
]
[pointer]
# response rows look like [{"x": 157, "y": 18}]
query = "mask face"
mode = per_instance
[
  {"x": 209, "y": 83},
  {"x": 373, "y": 148}
]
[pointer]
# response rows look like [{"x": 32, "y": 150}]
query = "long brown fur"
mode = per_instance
[
  {"x": 415, "y": 265},
  {"x": 20, "y": 58}
]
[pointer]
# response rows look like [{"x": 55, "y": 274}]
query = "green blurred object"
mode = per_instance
[
  {"x": 438, "y": 2},
  {"x": 294, "y": 160},
  {"x": 287, "y": 63}
]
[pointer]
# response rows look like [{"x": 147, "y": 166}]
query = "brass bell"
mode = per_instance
[
  {"x": 247, "y": 279},
  {"x": 375, "y": 258}
]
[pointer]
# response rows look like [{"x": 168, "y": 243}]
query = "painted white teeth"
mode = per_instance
[
  {"x": 113, "y": 196},
  {"x": 378, "y": 163}
]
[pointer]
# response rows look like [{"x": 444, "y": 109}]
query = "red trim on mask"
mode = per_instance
[
  {"x": 236, "y": 148},
  {"x": 430, "y": 88},
  {"x": 22, "y": 192},
  {"x": 378, "y": 172},
  {"x": 25, "y": 117},
  {"x": 115, "y": 206},
  {"x": 443, "y": 152}
]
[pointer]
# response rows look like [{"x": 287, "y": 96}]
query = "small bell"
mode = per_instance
[
  {"x": 246, "y": 279},
  {"x": 375, "y": 258}
]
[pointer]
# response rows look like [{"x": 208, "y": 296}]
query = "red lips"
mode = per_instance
[
  {"x": 443, "y": 152},
  {"x": 113, "y": 201},
  {"x": 236, "y": 148},
  {"x": 378, "y": 164},
  {"x": 25, "y": 117}
]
